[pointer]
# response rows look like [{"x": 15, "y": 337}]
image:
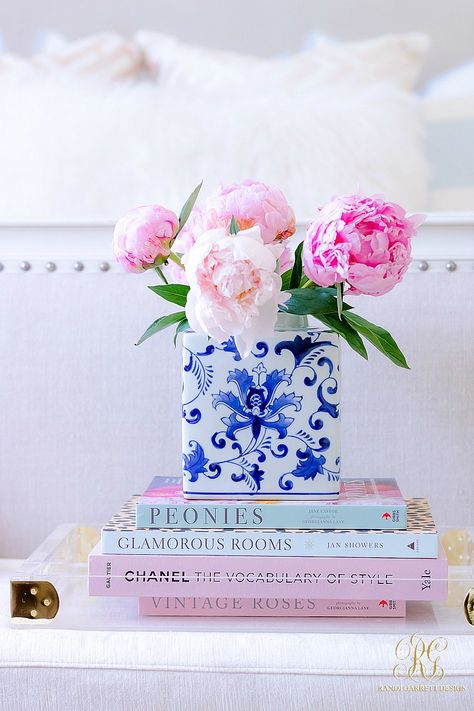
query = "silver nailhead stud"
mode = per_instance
[
  {"x": 104, "y": 266},
  {"x": 451, "y": 266},
  {"x": 423, "y": 266},
  {"x": 25, "y": 266},
  {"x": 78, "y": 266},
  {"x": 50, "y": 267}
]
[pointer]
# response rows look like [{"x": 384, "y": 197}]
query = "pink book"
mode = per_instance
[
  {"x": 268, "y": 607},
  {"x": 290, "y": 577}
]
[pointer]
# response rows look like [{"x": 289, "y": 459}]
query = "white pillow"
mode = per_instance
[
  {"x": 395, "y": 59},
  {"x": 104, "y": 56},
  {"x": 72, "y": 150}
]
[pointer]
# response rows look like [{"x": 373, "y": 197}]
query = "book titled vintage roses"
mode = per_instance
[
  {"x": 362, "y": 504},
  {"x": 268, "y": 607}
]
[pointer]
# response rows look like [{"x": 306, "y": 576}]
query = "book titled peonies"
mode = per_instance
[{"x": 229, "y": 265}]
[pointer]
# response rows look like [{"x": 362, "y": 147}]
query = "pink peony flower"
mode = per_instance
[
  {"x": 365, "y": 242},
  {"x": 194, "y": 227},
  {"x": 251, "y": 203},
  {"x": 143, "y": 237},
  {"x": 234, "y": 289}
]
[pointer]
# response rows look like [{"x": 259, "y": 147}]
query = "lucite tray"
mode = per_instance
[{"x": 51, "y": 589}]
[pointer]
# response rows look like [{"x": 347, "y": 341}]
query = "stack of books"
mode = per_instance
[{"x": 363, "y": 555}]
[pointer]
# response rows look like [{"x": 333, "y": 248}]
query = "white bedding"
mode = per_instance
[
  {"x": 90, "y": 127},
  {"x": 83, "y": 152},
  {"x": 78, "y": 142}
]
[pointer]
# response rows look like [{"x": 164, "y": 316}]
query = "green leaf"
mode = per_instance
[
  {"x": 176, "y": 293},
  {"x": 183, "y": 325},
  {"x": 297, "y": 271},
  {"x": 188, "y": 206},
  {"x": 346, "y": 331},
  {"x": 233, "y": 227},
  {"x": 160, "y": 324},
  {"x": 285, "y": 280},
  {"x": 379, "y": 337},
  {"x": 312, "y": 301}
]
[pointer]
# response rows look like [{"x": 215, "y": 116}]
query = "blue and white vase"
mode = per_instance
[{"x": 266, "y": 426}]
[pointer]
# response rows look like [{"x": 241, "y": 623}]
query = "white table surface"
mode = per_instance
[{"x": 217, "y": 664}]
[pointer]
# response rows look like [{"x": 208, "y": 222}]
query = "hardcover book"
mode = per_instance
[
  {"x": 362, "y": 504},
  {"x": 420, "y": 540},
  {"x": 268, "y": 607},
  {"x": 246, "y": 576}
]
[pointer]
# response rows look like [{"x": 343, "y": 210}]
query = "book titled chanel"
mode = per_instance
[
  {"x": 249, "y": 576},
  {"x": 420, "y": 540},
  {"x": 362, "y": 504}
]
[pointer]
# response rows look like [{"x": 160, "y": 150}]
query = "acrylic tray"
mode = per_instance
[{"x": 56, "y": 572}]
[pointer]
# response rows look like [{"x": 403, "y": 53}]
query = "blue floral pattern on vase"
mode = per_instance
[{"x": 265, "y": 426}]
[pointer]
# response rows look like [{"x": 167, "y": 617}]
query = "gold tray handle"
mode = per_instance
[
  {"x": 469, "y": 606},
  {"x": 33, "y": 599}
]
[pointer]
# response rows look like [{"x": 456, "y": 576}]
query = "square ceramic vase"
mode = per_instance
[{"x": 266, "y": 426}]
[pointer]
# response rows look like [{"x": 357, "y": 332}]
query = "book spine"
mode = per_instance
[
  {"x": 231, "y": 576},
  {"x": 402, "y": 544},
  {"x": 160, "y": 514},
  {"x": 268, "y": 607}
]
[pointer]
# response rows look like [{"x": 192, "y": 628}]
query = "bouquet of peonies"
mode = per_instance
[{"x": 228, "y": 265}]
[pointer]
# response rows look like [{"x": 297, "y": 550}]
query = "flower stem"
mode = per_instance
[
  {"x": 161, "y": 275},
  {"x": 174, "y": 258},
  {"x": 340, "y": 298},
  {"x": 306, "y": 284}
]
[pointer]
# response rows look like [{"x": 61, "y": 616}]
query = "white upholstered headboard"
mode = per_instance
[{"x": 86, "y": 418}]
